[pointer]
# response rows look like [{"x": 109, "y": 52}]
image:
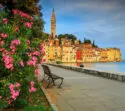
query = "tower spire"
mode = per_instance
[
  {"x": 53, "y": 24},
  {"x": 53, "y": 9}
]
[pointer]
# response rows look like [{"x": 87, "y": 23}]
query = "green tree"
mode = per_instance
[
  {"x": 93, "y": 44},
  {"x": 87, "y": 41},
  {"x": 68, "y": 36},
  {"x": 28, "y": 6},
  {"x": 80, "y": 41},
  {"x": 45, "y": 36}
]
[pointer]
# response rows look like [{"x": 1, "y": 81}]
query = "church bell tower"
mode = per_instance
[{"x": 53, "y": 24}]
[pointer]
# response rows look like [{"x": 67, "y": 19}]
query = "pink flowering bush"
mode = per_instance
[
  {"x": 14, "y": 93},
  {"x": 32, "y": 88},
  {"x": 19, "y": 55}
]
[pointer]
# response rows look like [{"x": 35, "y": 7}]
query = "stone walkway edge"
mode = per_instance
[{"x": 53, "y": 106}]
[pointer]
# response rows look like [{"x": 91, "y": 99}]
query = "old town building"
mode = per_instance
[
  {"x": 68, "y": 51},
  {"x": 104, "y": 55}
]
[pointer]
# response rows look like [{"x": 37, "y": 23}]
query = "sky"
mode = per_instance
[{"x": 99, "y": 20}]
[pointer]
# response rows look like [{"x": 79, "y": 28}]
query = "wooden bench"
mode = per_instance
[{"x": 51, "y": 77}]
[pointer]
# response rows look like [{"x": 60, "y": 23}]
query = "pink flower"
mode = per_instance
[
  {"x": 15, "y": 11},
  {"x": 13, "y": 44},
  {"x": 8, "y": 62},
  {"x": 21, "y": 63},
  {"x": 1, "y": 6},
  {"x": 22, "y": 14},
  {"x": 17, "y": 84},
  {"x": 9, "y": 66},
  {"x": 11, "y": 87},
  {"x": 36, "y": 53},
  {"x": 41, "y": 47},
  {"x": 17, "y": 29},
  {"x": 42, "y": 60},
  {"x": 5, "y": 20},
  {"x": 4, "y": 35},
  {"x": 32, "y": 83},
  {"x": 2, "y": 43},
  {"x": 28, "y": 24},
  {"x": 5, "y": 52},
  {"x": 28, "y": 42},
  {"x": 14, "y": 93},
  {"x": 13, "y": 50},
  {"x": 32, "y": 88},
  {"x": 31, "y": 18},
  {"x": 37, "y": 72},
  {"x": 7, "y": 59},
  {"x": 2, "y": 49},
  {"x": 9, "y": 102},
  {"x": 31, "y": 63},
  {"x": 0, "y": 97},
  {"x": 34, "y": 58},
  {"x": 29, "y": 54}
]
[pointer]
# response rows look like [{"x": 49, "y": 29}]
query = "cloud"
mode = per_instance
[
  {"x": 99, "y": 20},
  {"x": 67, "y": 6}
]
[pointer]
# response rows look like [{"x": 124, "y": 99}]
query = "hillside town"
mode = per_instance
[{"x": 65, "y": 50}]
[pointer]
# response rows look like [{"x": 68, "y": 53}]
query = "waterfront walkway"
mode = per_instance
[{"x": 82, "y": 92}]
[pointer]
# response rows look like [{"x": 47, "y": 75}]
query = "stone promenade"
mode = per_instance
[{"x": 82, "y": 92}]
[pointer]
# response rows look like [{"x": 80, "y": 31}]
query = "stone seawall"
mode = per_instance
[{"x": 108, "y": 75}]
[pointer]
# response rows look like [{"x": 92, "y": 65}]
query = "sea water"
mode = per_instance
[{"x": 108, "y": 66}]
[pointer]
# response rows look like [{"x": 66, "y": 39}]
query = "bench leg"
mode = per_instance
[
  {"x": 43, "y": 78},
  {"x": 60, "y": 83},
  {"x": 53, "y": 82},
  {"x": 48, "y": 83}
]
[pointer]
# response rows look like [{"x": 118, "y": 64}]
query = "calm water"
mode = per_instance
[{"x": 110, "y": 67}]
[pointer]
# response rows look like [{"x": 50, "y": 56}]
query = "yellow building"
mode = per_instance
[
  {"x": 97, "y": 52},
  {"x": 56, "y": 42},
  {"x": 57, "y": 53},
  {"x": 66, "y": 42},
  {"x": 50, "y": 53},
  {"x": 88, "y": 55},
  {"x": 104, "y": 55},
  {"x": 114, "y": 54},
  {"x": 87, "y": 45},
  {"x": 118, "y": 56},
  {"x": 73, "y": 54},
  {"x": 76, "y": 42},
  {"x": 66, "y": 53}
]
